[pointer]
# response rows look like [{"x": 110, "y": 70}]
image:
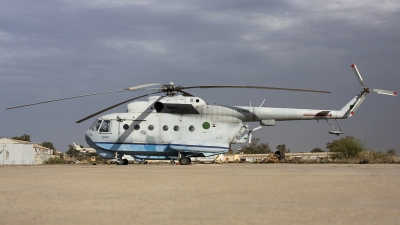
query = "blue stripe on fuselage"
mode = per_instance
[
  {"x": 134, "y": 147},
  {"x": 140, "y": 147}
]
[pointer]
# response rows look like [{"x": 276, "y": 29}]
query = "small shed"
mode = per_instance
[{"x": 16, "y": 152}]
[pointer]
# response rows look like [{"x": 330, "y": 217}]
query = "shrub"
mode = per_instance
[{"x": 54, "y": 160}]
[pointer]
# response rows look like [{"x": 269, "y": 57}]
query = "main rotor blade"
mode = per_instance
[
  {"x": 111, "y": 107},
  {"x": 135, "y": 88},
  {"x": 255, "y": 87},
  {"x": 384, "y": 92},
  {"x": 140, "y": 87},
  {"x": 358, "y": 75},
  {"x": 186, "y": 94},
  {"x": 60, "y": 99}
]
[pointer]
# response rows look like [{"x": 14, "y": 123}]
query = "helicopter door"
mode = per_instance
[{"x": 125, "y": 130}]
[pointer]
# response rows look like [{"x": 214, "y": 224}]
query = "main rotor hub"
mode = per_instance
[
  {"x": 366, "y": 90},
  {"x": 171, "y": 89}
]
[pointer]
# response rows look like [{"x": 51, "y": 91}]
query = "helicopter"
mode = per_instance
[{"x": 179, "y": 125}]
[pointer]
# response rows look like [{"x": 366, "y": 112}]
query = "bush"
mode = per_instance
[
  {"x": 54, "y": 160},
  {"x": 347, "y": 147}
]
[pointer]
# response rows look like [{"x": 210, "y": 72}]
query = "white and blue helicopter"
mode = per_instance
[{"x": 178, "y": 126}]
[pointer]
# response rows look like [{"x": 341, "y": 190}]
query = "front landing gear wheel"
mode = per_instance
[
  {"x": 184, "y": 161},
  {"x": 122, "y": 162},
  {"x": 172, "y": 161}
]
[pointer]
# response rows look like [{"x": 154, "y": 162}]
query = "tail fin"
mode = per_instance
[
  {"x": 351, "y": 107},
  {"x": 77, "y": 147}
]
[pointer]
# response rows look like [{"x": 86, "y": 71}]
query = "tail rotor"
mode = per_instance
[{"x": 368, "y": 90}]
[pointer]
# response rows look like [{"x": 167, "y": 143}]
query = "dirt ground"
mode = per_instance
[{"x": 200, "y": 194}]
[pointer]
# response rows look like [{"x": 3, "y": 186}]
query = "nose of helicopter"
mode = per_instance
[{"x": 89, "y": 141}]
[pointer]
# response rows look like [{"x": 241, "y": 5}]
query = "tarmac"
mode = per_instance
[{"x": 201, "y": 194}]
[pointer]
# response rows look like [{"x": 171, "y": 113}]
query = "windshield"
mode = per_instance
[{"x": 96, "y": 125}]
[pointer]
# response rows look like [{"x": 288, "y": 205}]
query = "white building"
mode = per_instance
[{"x": 16, "y": 152}]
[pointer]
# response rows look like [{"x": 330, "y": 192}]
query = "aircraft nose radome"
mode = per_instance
[{"x": 90, "y": 142}]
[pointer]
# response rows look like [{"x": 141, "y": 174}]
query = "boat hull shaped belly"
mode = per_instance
[{"x": 199, "y": 147}]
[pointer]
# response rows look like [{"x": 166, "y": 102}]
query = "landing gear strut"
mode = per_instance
[{"x": 120, "y": 160}]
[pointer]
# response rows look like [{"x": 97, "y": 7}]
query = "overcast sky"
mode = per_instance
[{"x": 60, "y": 48}]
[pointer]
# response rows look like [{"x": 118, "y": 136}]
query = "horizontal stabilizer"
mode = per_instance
[{"x": 323, "y": 113}]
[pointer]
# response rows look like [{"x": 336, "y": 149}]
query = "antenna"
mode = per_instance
[{"x": 262, "y": 103}]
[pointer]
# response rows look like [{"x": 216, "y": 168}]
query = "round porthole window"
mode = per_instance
[
  {"x": 206, "y": 125},
  {"x": 126, "y": 127},
  {"x": 136, "y": 127},
  {"x": 191, "y": 128},
  {"x": 165, "y": 127},
  {"x": 176, "y": 128},
  {"x": 151, "y": 127}
]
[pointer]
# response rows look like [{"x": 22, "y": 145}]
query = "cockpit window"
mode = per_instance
[
  {"x": 96, "y": 125},
  {"x": 105, "y": 126}
]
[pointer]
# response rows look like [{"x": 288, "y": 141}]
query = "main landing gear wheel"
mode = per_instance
[
  {"x": 184, "y": 161},
  {"x": 122, "y": 162}
]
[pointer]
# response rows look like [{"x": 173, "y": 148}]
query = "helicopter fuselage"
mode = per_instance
[{"x": 164, "y": 127}]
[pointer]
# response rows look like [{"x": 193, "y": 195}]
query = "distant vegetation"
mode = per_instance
[
  {"x": 54, "y": 160},
  {"x": 72, "y": 152},
  {"x": 24, "y": 137},
  {"x": 345, "y": 150},
  {"x": 256, "y": 148}
]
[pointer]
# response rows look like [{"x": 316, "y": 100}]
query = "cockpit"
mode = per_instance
[{"x": 102, "y": 126}]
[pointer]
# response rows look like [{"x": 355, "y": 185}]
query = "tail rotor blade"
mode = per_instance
[
  {"x": 250, "y": 138},
  {"x": 358, "y": 75},
  {"x": 384, "y": 92}
]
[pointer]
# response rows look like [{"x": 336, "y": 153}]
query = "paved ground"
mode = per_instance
[{"x": 200, "y": 194}]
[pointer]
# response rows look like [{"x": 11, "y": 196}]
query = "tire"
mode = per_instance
[
  {"x": 184, "y": 161},
  {"x": 125, "y": 162}
]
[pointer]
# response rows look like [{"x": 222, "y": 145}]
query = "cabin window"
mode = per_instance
[
  {"x": 136, "y": 127},
  {"x": 176, "y": 128},
  {"x": 151, "y": 127},
  {"x": 165, "y": 127},
  {"x": 96, "y": 125},
  {"x": 191, "y": 128},
  {"x": 105, "y": 127},
  {"x": 126, "y": 127}
]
